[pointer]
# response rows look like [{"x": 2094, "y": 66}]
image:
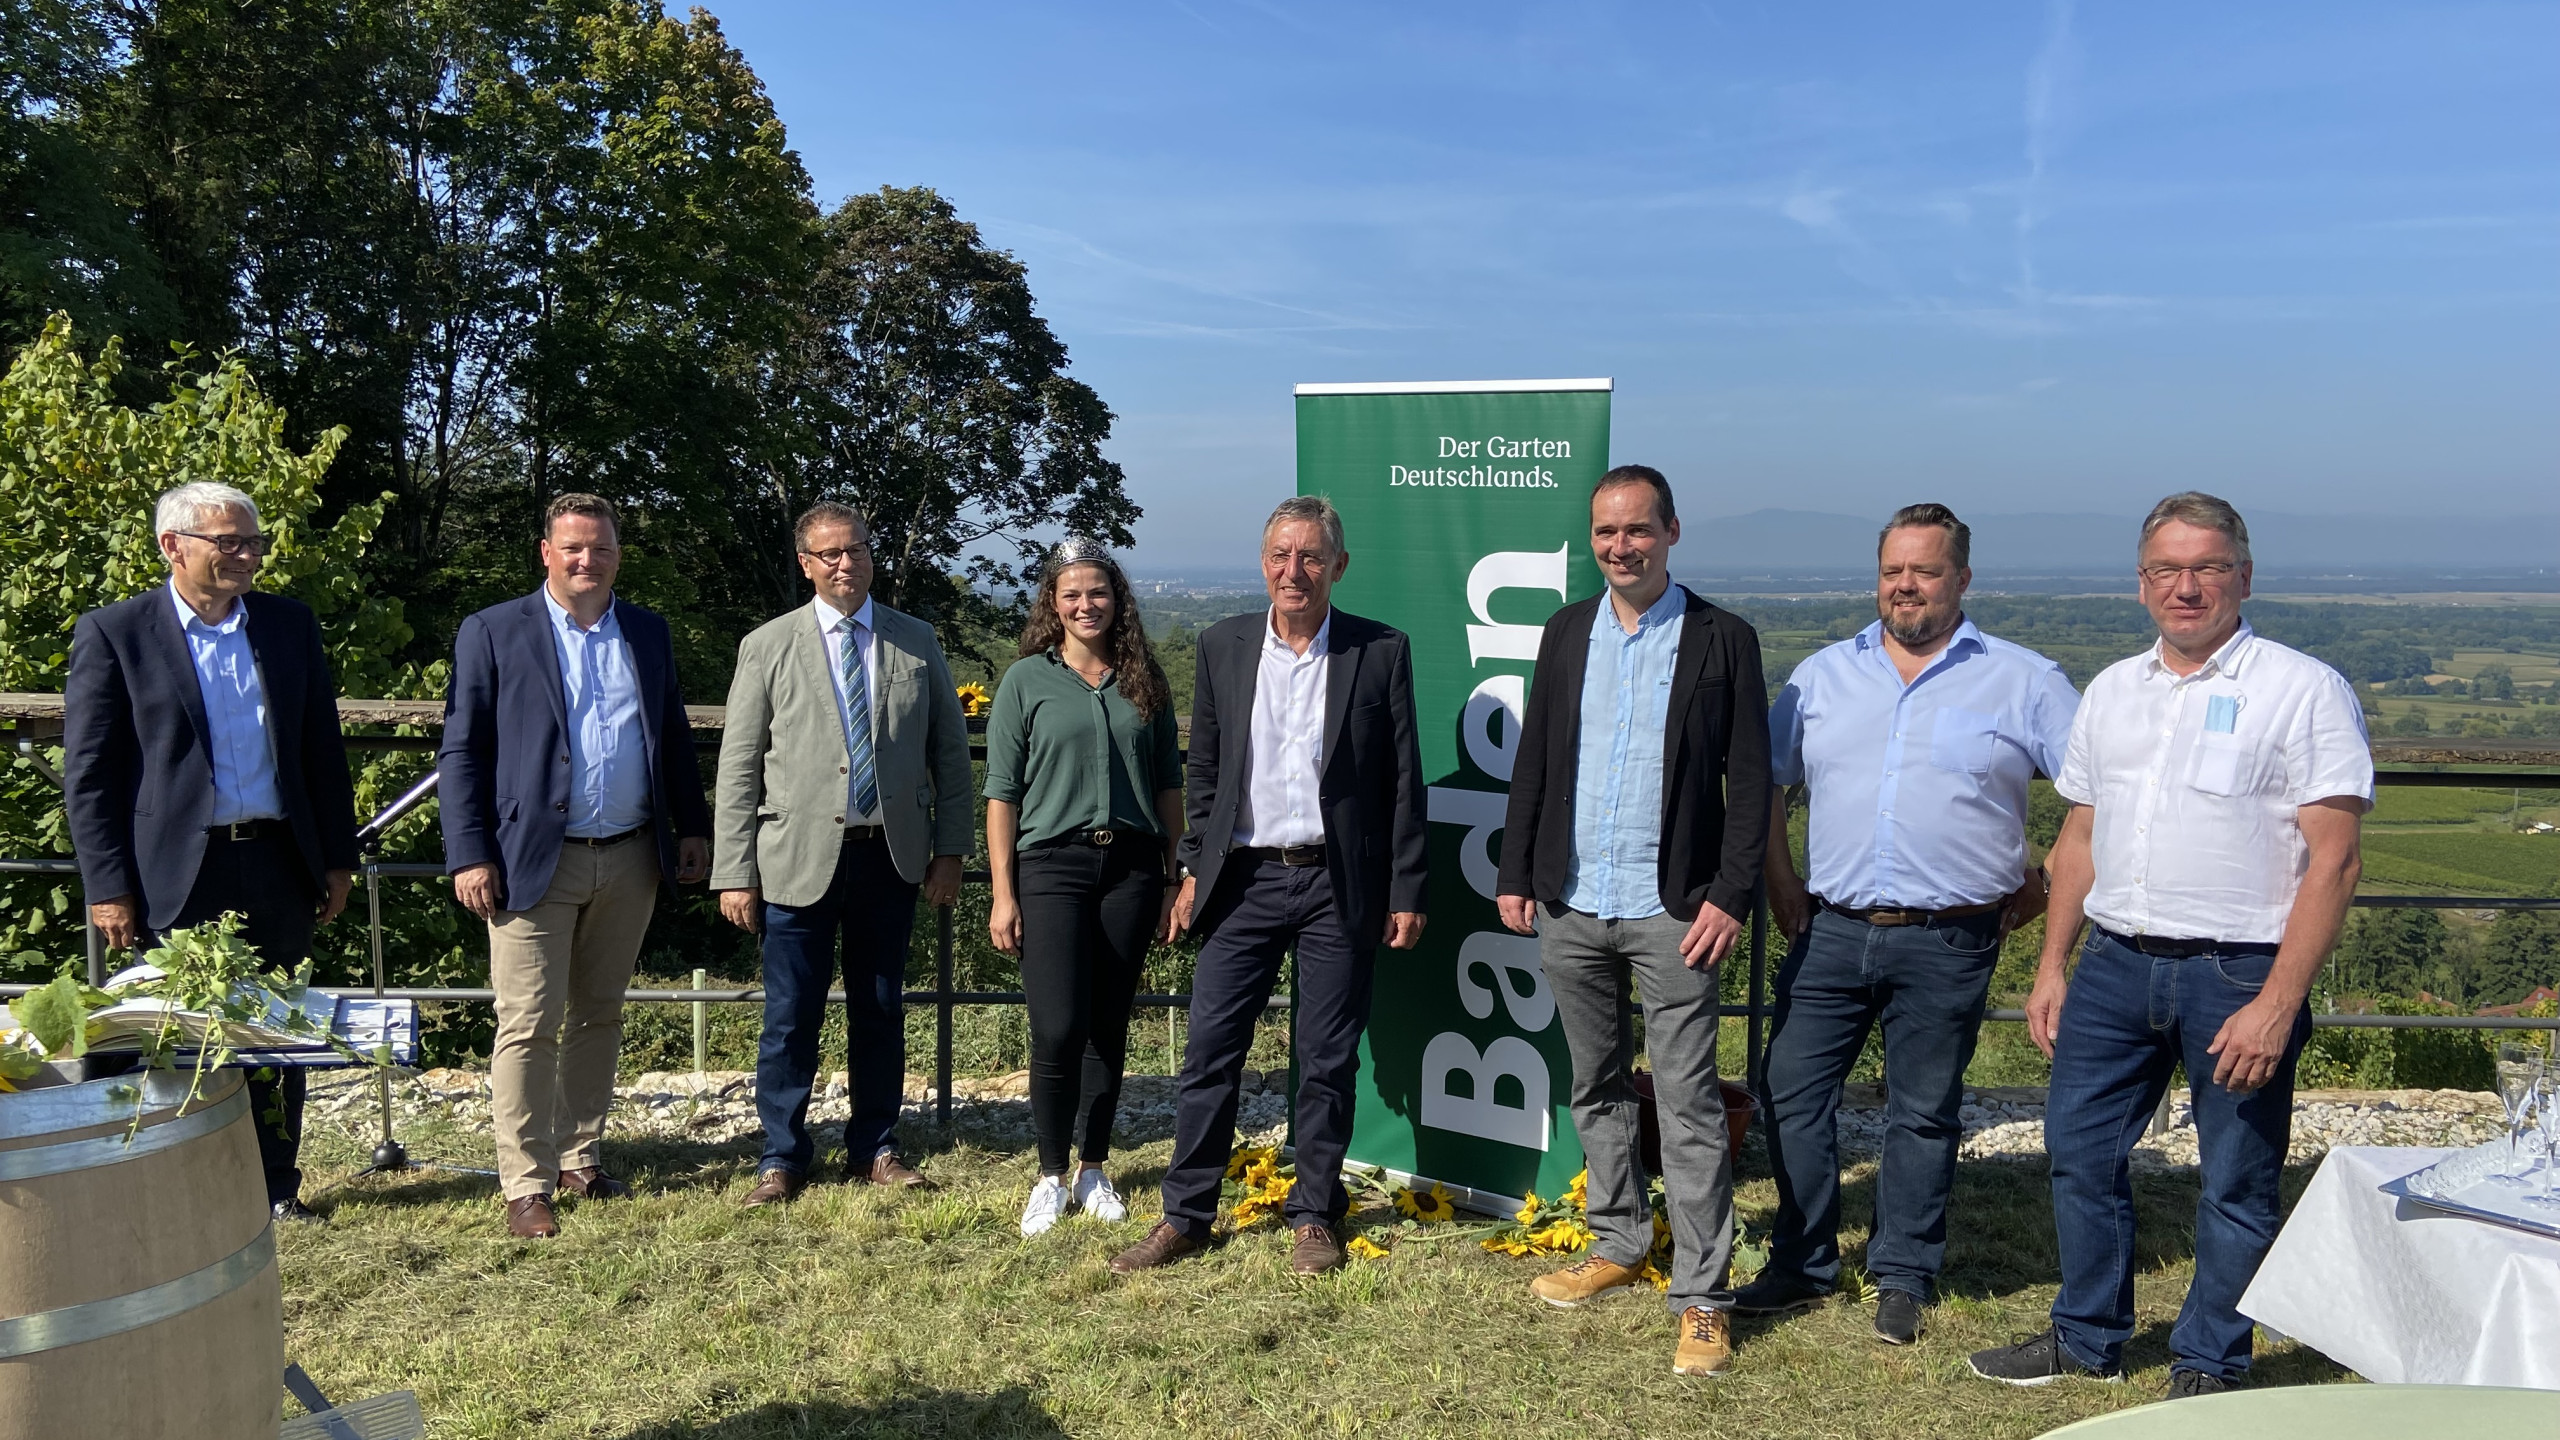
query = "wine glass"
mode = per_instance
[
  {"x": 2519, "y": 1073},
  {"x": 2546, "y": 1112}
]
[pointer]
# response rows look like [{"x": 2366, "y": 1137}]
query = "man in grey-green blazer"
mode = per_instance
[{"x": 844, "y": 789}]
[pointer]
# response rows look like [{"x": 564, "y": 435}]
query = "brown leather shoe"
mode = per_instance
[
  {"x": 529, "y": 1218},
  {"x": 775, "y": 1186},
  {"x": 888, "y": 1169},
  {"x": 1316, "y": 1250},
  {"x": 1163, "y": 1245},
  {"x": 589, "y": 1182},
  {"x": 1706, "y": 1342}
]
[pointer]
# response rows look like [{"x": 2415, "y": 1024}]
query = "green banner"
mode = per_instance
[{"x": 1466, "y": 509}]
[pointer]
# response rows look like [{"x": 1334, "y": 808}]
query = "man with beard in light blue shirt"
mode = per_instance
[{"x": 1916, "y": 739}]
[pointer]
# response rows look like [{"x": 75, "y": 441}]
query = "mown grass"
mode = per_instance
[{"x": 679, "y": 1316}]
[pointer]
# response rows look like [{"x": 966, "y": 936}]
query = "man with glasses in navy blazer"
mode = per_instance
[
  {"x": 204, "y": 773},
  {"x": 570, "y": 792}
]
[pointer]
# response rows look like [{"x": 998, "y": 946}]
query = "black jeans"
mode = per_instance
[
  {"x": 1278, "y": 908},
  {"x": 264, "y": 880},
  {"x": 1088, "y": 913},
  {"x": 875, "y": 911}
]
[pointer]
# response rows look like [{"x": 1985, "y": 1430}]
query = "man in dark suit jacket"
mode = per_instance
[
  {"x": 204, "y": 771},
  {"x": 1306, "y": 833},
  {"x": 1638, "y": 817},
  {"x": 570, "y": 794}
]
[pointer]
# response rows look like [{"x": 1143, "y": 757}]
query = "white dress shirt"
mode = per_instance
[
  {"x": 2196, "y": 780},
  {"x": 830, "y": 621},
  {"x": 1280, "y": 800}
]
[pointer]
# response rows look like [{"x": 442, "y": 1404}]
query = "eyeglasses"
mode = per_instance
[
  {"x": 2164, "y": 576},
  {"x": 859, "y": 550},
  {"x": 231, "y": 545}
]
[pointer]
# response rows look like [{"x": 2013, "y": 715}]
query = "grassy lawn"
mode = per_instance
[{"x": 679, "y": 1316}]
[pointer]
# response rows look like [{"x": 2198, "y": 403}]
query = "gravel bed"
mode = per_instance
[{"x": 1999, "y": 1124}]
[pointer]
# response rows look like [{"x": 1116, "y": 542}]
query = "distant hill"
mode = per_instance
[{"x": 1778, "y": 541}]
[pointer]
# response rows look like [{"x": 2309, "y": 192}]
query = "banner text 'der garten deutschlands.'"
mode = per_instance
[{"x": 1465, "y": 508}]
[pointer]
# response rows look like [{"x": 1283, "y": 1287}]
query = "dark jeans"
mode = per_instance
[
  {"x": 1926, "y": 986},
  {"x": 1088, "y": 913},
  {"x": 265, "y": 881},
  {"x": 2128, "y": 1019},
  {"x": 876, "y": 912},
  {"x": 1275, "y": 908}
]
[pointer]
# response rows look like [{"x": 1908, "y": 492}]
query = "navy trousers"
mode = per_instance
[
  {"x": 2127, "y": 1021},
  {"x": 1275, "y": 909},
  {"x": 1926, "y": 984},
  {"x": 264, "y": 880},
  {"x": 875, "y": 912}
]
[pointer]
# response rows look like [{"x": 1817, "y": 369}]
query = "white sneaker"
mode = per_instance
[
  {"x": 1048, "y": 1202},
  {"x": 1095, "y": 1197}
]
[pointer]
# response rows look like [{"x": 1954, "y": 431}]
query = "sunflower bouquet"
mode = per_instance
[
  {"x": 1257, "y": 1185},
  {"x": 974, "y": 699},
  {"x": 1562, "y": 1226}
]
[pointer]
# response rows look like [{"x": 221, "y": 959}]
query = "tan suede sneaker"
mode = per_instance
[
  {"x": 1582, "y": 1282},
  {"x": 1706, "y": 1342}
]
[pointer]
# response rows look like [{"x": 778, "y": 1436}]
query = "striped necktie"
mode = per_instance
[{"x": 857, "y": 726}]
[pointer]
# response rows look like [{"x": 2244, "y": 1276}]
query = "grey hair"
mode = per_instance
[
  {"x": 1313, "y": 508},
  {"x": 2205, "y": 512},
  {"x": 183, "y": 507},
  {"x": 825, "y": 512}
]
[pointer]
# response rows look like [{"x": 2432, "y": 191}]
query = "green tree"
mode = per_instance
[
  {"x": 2392, "y": 952},
  {"x": 2494, "y": 682},
  {"x": 2412, "y": 721},
  {"x": 937, "y": 399},
  {"x": 2519, "y": 954},
  {"x": 79, "y": 472}
]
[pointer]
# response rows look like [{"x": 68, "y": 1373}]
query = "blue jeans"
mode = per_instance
[
  {"x": 876, "y": 912},
  {"x": 1926, "y": 986},
  {"x": 2127, "y": 1021}
]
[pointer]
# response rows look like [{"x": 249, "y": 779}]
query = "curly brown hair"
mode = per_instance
[{"x": 1133, "y": 660}]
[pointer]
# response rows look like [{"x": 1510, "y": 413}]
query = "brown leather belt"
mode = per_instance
[
  {"x": 1285, "y": 854},
  {"x": 1915, "y": 917}
]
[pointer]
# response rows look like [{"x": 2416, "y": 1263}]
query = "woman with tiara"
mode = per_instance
[{"x": 1084, "y": 802}]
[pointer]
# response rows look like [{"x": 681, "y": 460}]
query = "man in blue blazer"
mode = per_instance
[
  {"x": 570, "y": 792},
  {"x": 204, "y": 772}
]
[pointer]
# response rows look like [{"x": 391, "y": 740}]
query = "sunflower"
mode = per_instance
[
  {"x": 1362, "y": 1247},
  {"x": 1252, "y": 1210},
  {"x": 1509, "y": 1242},
  {"x": 974, "y": 699},
  {"x": 1245, "y": 1157},
  {"x": 1432, "y": 1207},
  {"x": 1529, "y": 1207},
  {"x": 1578, "y": 1193},
  {"x": 1261, "y": 1174}
]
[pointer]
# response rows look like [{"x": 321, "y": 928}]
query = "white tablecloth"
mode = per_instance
[{"x": 2402, "y": 1294}]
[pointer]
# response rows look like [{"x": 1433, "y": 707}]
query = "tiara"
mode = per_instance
[{"x": 1078, "y": 550}]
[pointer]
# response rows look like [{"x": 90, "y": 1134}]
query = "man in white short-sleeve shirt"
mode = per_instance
[{"x": 2218, "y": 782}]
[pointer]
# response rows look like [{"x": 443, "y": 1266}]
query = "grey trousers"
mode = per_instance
[{"x": 1588, "y": 962}]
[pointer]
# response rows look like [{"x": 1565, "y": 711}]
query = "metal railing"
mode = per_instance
[{"x": 1755, "y": 1011}]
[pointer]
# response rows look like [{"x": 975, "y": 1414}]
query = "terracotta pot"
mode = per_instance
[{"x": 1739, "y": 1111}]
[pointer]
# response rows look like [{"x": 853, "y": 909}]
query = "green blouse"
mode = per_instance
[{"x": 1076, "y": 757}]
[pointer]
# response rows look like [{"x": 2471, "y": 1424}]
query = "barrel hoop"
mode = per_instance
[
  {"x": 36, "y": 1161},
  {"x": 117, "y": 1314}
]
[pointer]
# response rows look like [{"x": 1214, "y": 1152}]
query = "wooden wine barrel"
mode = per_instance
[{"x": 138, "y": 1288}]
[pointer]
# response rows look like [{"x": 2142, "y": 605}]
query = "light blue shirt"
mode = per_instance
[
  {"x": 1617, "y": 780},
  {"x": 608, "y": 753},
  {"x": 235, "y": 714},
  {"x": 1919, "y": 791},
  {"x": 866, "y": 643}
]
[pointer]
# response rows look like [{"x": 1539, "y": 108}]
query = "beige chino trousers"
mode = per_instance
[{"x": 560, "y": 969}]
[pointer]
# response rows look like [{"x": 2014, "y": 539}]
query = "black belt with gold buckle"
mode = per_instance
[{"x": 1286, "y": 854}]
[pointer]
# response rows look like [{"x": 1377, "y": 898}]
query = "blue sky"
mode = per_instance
[{"x": 2015, "y": 257}]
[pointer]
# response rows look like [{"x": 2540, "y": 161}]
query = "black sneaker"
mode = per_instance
[
  {"x": 2039, "y": 1361},
  {"x": 2186, "y": 1384},
  {"x": 1775, "y": 1294},
  {"x": 1898, "y": 1317}
]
